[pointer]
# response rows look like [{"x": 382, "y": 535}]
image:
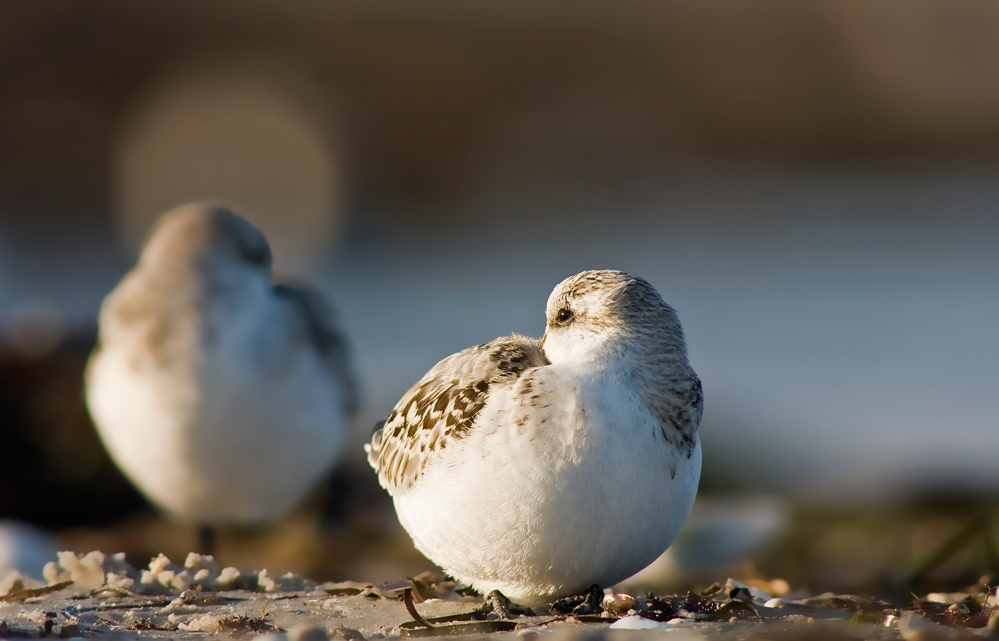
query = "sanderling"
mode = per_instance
[
  {"x": 544, "y": 468},
  {"x": 222, "y": 396}
]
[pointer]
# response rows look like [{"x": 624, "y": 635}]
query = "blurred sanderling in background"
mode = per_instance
[{"x": 222, "y": 396}]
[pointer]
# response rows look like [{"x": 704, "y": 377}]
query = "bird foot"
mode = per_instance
[
  {"x": 497, "y": 603},
  {"x": 581, "y": 604}
]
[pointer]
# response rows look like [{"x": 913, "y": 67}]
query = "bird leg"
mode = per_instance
[
  {"x": 588, "y": 602},
  {"x": 497, "y": 603},
  {"x": 206, "y": 540}
]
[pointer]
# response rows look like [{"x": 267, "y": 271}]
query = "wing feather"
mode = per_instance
[
  {"x": 443, "y": 405},
  {"x": 320, "y": 324}
]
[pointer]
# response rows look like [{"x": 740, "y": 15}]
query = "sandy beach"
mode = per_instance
[{"x": 97, "y": 595}]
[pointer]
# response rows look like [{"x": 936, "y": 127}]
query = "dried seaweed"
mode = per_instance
[
  {"x": 407, "y": 598},
  {"x": 145, "y": 624},
  {"x": 412, "y": 629},
  {"x": 31, "y": 593},
  {"x": 689, "y": 606},
  {"x": 238, "y": 625},
  {"x": 392, "y": 591}
]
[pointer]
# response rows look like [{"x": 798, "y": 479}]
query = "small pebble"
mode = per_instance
[
  {"x": 639, "y": 623},
  {"x": 958, "y": 608},
  {"x": 306, "y": 632},
  {"x": 349, "y": 634},
  {"x": 619, "y": 603}
]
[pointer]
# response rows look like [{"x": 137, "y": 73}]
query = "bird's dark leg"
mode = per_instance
[
  {"x": 206, "y": 539},
  {"x": 587, "y": 603},
  {"x": 497, "y": 603}
]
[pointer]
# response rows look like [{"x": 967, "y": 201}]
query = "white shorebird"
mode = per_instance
[
  {"x": 223, "y": 397},
  {"x": 543, "y": 469}
]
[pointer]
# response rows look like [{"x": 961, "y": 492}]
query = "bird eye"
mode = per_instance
[{"x": 564, "y": 314}]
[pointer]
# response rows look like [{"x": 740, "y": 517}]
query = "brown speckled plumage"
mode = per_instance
[{"x": 442, "y": 406}]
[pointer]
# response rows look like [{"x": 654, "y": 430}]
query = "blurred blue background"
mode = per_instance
[{"x": 813, "y": 186}]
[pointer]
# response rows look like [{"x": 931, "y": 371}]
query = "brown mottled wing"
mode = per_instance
[
  {"x": 678, "y": 407},
  {"x": 442, "y": 407},
  {"x": 319, "y": 322}
]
